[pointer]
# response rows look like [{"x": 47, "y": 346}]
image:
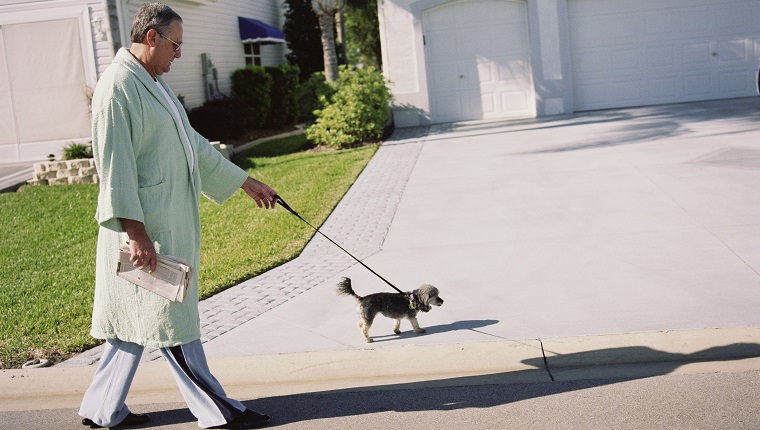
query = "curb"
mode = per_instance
[{"x": 478, "y": 363}]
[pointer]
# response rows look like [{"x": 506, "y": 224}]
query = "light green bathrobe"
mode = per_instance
[{"x": 146, "y": 175}]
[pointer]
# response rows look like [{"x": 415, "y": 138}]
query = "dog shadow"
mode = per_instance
[{"x": 472, "y": 325}]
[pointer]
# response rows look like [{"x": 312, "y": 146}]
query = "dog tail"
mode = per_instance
[{"x": 344, "y": 289}]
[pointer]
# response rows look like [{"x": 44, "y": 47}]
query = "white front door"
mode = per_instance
[{"x": 478, "y": 60}]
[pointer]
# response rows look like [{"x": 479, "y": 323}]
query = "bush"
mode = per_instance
[
  {"x": 251, "y": 89},
  {"x": 357, "y": 112},
  {"x": 76, "y": 151},
  {"x": 216, "y": 120},
  {"x": 310, "y": 92},
  {"x": 283, "y": 111}
]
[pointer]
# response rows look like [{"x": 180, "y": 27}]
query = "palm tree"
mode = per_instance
[{"x": 326, "y": 10}]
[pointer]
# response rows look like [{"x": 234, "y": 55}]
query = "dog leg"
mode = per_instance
[
  {"x": 416, "y": 326},
  {"x": 364, "y": 328},
  {"x": 397, "y": 326}
]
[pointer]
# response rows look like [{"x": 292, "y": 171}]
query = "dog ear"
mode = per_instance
[{"x": 423, "y": 294}]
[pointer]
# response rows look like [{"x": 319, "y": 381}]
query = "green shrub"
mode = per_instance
[
  {"x": 357, "y": 112},
  {"x": 251, "y": 89},
  {"x": 283, "y": 111},
  {"x": 216, "y": 120},
  {"x": 310, "y": 92},
  {"x": 76, "y": 151}
]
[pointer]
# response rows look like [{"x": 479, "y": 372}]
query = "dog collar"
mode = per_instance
[{"x": 412, "y": 301}]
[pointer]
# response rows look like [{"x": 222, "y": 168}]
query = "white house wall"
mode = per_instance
[{"x": 212, "y": 29}]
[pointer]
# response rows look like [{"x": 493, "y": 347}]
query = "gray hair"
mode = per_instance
[{"x": 155, "y": 16}]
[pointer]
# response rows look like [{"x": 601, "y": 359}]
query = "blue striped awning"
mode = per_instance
[{"x": 252, "y": 30}]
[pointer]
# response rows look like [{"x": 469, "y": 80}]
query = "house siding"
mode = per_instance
[
  {"x": 104, "y": 28},
  {"x": 213, "y": 29}
]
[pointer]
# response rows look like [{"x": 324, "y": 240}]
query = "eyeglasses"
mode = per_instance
[{"x": 177, "y": 46}]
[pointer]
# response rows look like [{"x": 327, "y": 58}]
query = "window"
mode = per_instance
[{"x": 252, "y": 53}]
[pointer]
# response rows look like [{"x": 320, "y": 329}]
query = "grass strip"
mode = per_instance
[{"x": 49, "y": 235}]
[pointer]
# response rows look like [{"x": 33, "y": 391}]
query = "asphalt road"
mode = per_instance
[{"x": 720, "y": 396}]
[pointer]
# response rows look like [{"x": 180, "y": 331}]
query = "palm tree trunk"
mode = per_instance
[
  {"x": 340, "y": 29},
  {"x": 326, "y": 16}
]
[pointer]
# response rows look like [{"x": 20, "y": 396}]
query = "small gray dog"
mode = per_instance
[{"x": 391, "y": 305}]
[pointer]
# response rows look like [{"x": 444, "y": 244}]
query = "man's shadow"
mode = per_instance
[{"x": 483, "y": 391}]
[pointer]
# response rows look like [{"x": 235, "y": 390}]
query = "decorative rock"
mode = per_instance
[
  {"x": 58, "y": 165},
  {"x": 67, "y": 173},
  {"x": 48, "y": 174},
  {"x": 80, "y": 179},
  {"x": 58, "y": 181},
  {"x": 78, "y": 164},
  {"x": 88, "y": 171}
]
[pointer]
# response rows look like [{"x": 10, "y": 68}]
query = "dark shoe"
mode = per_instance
[
  {"x": 247, "y": 420},
  {"x": 130, "y": 420}
]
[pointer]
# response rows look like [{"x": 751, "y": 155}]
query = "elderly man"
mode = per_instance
[{"x": 153, "y": 168}]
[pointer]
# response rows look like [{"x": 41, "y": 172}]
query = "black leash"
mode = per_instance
[{"x": 282, "y": 203}]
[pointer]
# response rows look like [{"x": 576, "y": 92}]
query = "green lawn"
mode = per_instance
[{"x": 47, "y": 245}]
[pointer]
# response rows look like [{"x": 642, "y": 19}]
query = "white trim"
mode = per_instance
[{"x": 88, "y": 50}]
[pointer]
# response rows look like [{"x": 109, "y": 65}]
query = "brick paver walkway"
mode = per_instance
[{"x": 359, "y": 224}]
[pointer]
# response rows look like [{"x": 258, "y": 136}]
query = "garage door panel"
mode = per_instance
[
  {"x": 488, "y": 104},
  {"x": 513, "y": 74},
  {"x": 692, "y": 50},
  {"x": 660, "y": 57},
  {"x": 478, "y": 60},
  {"x": 697, "y": 54},
  {"x": 592, "y": 65},
  {"x": 697, "y": 86},
  {"x": 734, "y": 83},
  {"x": 516, "y": 101},
  {"x": 734, "y": 50},
  {"x": 621, "y": 61},
  {"x": 730, "y": 20},
  {"x": 663, "y": 89}
]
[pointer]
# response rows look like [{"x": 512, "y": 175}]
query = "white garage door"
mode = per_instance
[
  {"x": 478, "y": 60},
  {"x": 644, "y": 52},
  {"x": 43, "y": 92}
]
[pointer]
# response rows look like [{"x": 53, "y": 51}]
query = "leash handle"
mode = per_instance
[
  {"x": 281, "y": 202},
  {"x": 287, "y": 207}
]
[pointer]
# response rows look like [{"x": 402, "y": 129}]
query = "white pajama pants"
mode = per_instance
[{"x": 103, "y": 402}]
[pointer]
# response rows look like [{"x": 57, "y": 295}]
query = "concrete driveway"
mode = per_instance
[{"x": 604, "y": 223}]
